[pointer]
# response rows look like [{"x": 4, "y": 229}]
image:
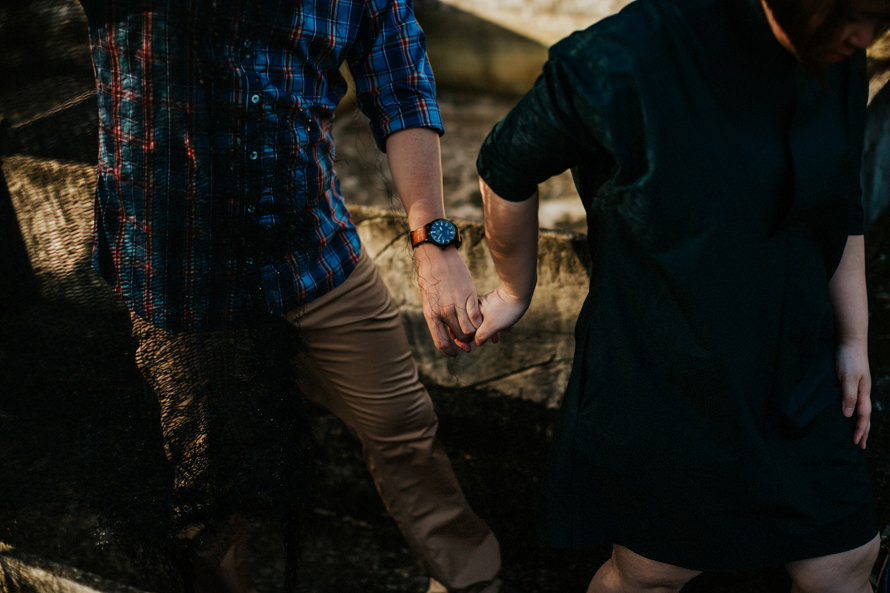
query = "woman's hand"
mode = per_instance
[
  {"x": 500, "y": 310},
  {"x": 850, "y": 303},
  {"x": 851, "y": 362},
  {"x": 511, "y": 231}
]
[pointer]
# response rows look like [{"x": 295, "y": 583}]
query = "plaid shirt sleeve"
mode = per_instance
[{"x": 394, "y": 80}]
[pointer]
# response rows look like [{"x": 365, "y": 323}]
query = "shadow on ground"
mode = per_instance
[{"x": 83, "y": 479}]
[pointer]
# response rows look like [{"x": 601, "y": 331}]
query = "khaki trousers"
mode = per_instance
[{"x": 356, "y": 362}]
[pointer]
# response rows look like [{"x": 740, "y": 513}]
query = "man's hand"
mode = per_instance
[
  {"x": 851, "y": 362},
  {"x": 450, "y": 303}
]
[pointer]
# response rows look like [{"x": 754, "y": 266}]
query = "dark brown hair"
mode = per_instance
[{"x": 810, "y": 24}]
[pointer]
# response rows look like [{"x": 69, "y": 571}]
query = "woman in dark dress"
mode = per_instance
[{"x": 720, "y": 395}]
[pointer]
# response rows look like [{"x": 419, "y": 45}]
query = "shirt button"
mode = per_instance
[
  {"x": 248, "y": 43},
  {"x": 254, "y": 155},
  {"x": 255, "y": 99}
]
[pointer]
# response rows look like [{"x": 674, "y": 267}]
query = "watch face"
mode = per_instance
[{"x": 442, "y": 232}]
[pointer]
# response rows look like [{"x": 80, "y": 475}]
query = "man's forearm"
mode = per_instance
[
  {"x": 450, "y": 304},
  {"x": 415, "y": 163}
]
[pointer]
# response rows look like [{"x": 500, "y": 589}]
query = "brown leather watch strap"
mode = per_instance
[{"x": 419, "y": 235}]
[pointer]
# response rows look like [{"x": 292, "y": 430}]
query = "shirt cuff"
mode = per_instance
[{"x": 421, "y": 115}]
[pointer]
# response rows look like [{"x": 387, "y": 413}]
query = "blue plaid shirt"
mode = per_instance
[{"x": 217, "y": 202}]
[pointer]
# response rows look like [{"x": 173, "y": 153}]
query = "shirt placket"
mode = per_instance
[
  {"x": 256, "y": 156},
  {"x": 274, "y": 184}
]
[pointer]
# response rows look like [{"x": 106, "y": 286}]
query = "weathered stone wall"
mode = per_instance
[
  {"x": 473, "y": 53},
  {"x": 545, "y": 21},
  {"x": 53, "y": 201},
  {"x": 574, "y": 8},
  {"x": 27, "y": 573},
  {"x": 533, "y": 359},
  {"x": 500, "y": 45}
]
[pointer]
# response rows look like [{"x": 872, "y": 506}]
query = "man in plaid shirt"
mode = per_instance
[{"x": 218, "y": 207}]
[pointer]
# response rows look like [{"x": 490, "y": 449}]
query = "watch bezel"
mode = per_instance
[{"x": 441, "y": 222}]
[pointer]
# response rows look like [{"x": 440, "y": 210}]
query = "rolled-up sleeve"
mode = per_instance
[
  {"x": 533, "y": 142},
  {"x": 583, "y": 109},
  {"x": 394, "y": 81}
]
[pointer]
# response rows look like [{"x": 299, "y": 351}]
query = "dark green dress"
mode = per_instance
[{"x": 702, "y": 423}]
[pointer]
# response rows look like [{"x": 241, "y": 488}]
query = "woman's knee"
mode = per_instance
[
  {"x": 846, "y": 572},
  {"x": 627, "y": 571}
]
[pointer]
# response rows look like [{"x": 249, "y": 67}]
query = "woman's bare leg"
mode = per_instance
[
  {"x": 847, "y": 572},
  {"x": 628, "y": 572}
]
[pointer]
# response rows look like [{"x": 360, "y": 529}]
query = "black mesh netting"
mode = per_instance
[
  {"x": 117, "y": 460},
  {"x": 229, "y": 415},
  {"x": 84, "y": 474},
  {"x": 214, "y": 428}
]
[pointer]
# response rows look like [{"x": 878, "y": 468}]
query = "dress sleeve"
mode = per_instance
[
  {"x": 858, "y": 102},
  {"x": 584, "y": 109},
  {"x": 857, "y": 216},
  {"x": 393, "y": 77}
]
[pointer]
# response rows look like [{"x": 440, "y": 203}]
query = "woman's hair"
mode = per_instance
[{"x": 810, "y": 24}]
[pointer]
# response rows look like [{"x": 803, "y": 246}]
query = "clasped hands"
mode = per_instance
[{"x": 455, "y": 315}]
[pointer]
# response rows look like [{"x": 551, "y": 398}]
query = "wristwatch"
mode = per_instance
[{"x": 440, "y": 232}]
